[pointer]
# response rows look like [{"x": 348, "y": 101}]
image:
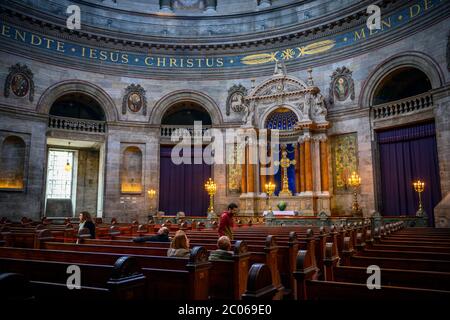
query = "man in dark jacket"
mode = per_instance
[{"x": 161, "y": 236}]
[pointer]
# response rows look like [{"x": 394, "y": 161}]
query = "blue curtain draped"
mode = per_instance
[
  {"x": 290, "y": 172},
  {"x": 182, "y": 186},
  {"x": 408, "y": 154}
]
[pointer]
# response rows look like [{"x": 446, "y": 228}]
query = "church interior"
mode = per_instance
[{"x": 305, "y": 143}]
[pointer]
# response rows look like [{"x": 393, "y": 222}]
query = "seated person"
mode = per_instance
[
  {"x": 161, "y": 236},
  {"x": 179, "y": 247},
  {"x": 86, "y": 222},
  {"x": 223, "y": 252}
]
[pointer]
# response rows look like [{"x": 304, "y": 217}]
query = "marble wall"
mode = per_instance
[{"x": 19, "y": 115}]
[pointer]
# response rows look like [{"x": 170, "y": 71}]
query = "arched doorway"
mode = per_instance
[
  {"x": 406, "y": 152},
  {"x": 401, "y": 83},
  {"x": 75, "y": 156},
  {"x": 78, "y": 106},
  {"x": 182, "y": 184}
]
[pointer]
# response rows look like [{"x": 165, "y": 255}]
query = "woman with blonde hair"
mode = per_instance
[{"x": 179, "y": 247}]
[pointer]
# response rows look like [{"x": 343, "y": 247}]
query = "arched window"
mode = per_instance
[
  {"x": 185, "y": 113},
  {"x": 281, "y": 119},
  {"x": 77, "y": 105},
  {"x": 401, "y": 83},
  {"x": 12, "y": 163},
  {"x": 131, "y": 170}
]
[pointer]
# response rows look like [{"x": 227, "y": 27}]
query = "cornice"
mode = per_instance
[
  {"x": 305, "y": 31},
  {"x": 332, "y": 56},
  {"x": 22, "y": 113}
]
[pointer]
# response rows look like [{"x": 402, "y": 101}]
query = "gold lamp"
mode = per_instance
[
  {"x": 355, "y": 181},
  {"x": 211, "y": 188},
  {"x": 270, "y": 189},
  {"x": 419, "y": 187},
  {"x": 68, "y": 166},
  {"x": 151, "y": 195}
]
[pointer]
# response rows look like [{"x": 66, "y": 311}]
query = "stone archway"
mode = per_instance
[
  {"x": 413, "y": 59},
  {"x": 77, "y": 86},
  {"x": 270, "y": 110},
  {"x": 186, "y": 96}
]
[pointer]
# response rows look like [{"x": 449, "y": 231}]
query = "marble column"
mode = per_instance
[
  {"x": 297, "y": 167},
  {"x": 308, "y": 167},
  {"x": 244, "y": 172},
  {"x": 302, "y": 168},
  {"x": 324, "y": 165},
  {"x": 250, "y": 169}
]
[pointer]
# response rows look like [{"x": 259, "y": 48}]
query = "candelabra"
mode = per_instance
[
  {"x": 151, "y": 195},
  {"x": 211, "y": 188},
  {"x": 419, "y": 187},
  {"x": 355, "y": 181}
]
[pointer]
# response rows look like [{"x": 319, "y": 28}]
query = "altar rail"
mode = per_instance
[
  {"x": 403, "y": 106},
  {"x": 376, "y": 221},
  {"x": 80, "y": 125}
]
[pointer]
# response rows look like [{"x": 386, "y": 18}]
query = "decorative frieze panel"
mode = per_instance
[
  {"x": 342, "y": 86},
  {"x": 20, "y": 82},
  {"x": 134, "y": 100}
]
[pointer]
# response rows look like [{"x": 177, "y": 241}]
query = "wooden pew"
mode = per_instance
[
  {"x": 167, "y": 277},
  {"x": 122, "y": 281},
  {"x": 331, "y": 290}
]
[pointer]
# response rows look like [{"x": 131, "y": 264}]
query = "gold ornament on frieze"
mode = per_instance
[
  {"x": 20, "y": 82},
  {"x": 134, "y": 100}
]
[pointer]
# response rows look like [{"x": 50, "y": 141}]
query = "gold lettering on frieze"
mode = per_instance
[
  {"x": 60, "y": 46},
  {"x": 362, "y": 35},
  {"x": 148, "y": 61},
  {"x": 20, "y": 34},
  {"x": 114, "y": 56},
  {"x": 125, "y": 58},
  {"x": 35, "y": 37},
  {"x": 5, "y": 31},
  {"x": 210, "y": 63},
  {"x": 163, "y": 60},
  {"x": 190, "y": 63},
  {"x": 103, "y": 55},
  {"x": 414, "y": 10},
  {"x": 49, "y": 42},
  {"x": 173, "y": 62},
  {"x": 386, "y": 24},
  {"x": 92, "y": 53},
  {"x": 220, "y": 62},
  {"x": 427, "y": 4}
]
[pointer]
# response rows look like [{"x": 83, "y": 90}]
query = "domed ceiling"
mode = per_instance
[
  {"x": 191, "y": 19},
  {"x": 220, "y": 37}
]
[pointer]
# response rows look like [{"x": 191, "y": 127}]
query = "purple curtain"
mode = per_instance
[
  {"x": 408, "y": 154},
  {"x": 182, "y": 186}
]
